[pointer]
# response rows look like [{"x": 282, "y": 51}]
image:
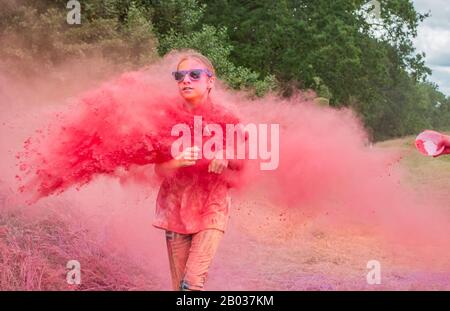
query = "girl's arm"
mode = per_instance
[
  {"x": 166, "y": 168},
  {"x": 219, "y": 165},
  {"x": 236, "y": 164},
  {"x": 187, "y": 158}
]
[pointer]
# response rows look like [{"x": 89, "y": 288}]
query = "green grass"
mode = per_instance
[{"x": 421, "y": 171}]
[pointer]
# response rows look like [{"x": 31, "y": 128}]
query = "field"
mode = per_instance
[{"x": 263, "y": 249}]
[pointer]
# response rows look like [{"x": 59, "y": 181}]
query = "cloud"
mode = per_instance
[
  {"x": 433, "y": 38},
  {"x": 439, "y": 10},
  {"x": 441, "y": 77},
  {"x": 435, "y": 43}
]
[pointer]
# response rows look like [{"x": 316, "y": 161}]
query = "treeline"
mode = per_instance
[{"x": 338, "y": 48}]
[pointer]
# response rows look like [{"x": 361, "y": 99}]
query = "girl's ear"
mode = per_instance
[{"x": 211, "y": 81}]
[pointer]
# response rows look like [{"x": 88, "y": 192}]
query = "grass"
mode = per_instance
[
  {"x": 34, "y": 251},
  {"x": 422, "y": 172},
  {"x": 293, "y": 254}
]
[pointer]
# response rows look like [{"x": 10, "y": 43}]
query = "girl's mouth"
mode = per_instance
[{"x": 187, "y": 88}]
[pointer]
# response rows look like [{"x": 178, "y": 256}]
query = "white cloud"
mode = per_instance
[
  {"x": 433, "y": 38},
  {"x": 435, "y": 43},
  {"x": 439, "y": 10},
  {"x": 441, "y": 76}
]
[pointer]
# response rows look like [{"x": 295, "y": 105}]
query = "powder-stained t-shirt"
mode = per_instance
[
  {"x": 192, "y": 199},
  {"x": 190, "y": 202}
]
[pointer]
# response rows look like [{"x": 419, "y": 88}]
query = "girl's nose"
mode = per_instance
[{"x": 186, "y": 79}]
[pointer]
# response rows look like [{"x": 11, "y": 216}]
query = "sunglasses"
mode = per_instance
[{"x": 194, "y": 74}]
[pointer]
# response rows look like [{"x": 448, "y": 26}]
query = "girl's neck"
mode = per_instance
[{"x": 202, "y": 103}]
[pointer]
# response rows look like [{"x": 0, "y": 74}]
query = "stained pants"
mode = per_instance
[{"x": 190, "y": 257}]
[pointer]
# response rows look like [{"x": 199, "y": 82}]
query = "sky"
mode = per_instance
[{"x": 433, "y": 38}]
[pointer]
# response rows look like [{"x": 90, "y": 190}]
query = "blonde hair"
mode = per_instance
[{"x": 201, "y": 58}]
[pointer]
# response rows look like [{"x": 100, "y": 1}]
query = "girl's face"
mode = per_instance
[{"x": 194, "y": 91}]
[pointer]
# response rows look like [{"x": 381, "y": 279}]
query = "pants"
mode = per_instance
[{"x": 190, "y": 256}]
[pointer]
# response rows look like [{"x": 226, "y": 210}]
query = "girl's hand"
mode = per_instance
[
  {"x": 188, "y": 157},
  {"x": 217, "y": 166}
]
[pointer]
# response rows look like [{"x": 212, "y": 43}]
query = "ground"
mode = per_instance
[{"x": 291, "y": 253}]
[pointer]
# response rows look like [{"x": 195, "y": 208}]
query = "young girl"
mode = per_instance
[{"x": 193, "y": 203}]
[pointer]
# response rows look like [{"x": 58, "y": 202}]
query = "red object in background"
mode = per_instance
[{"x": 428, "y": 143}]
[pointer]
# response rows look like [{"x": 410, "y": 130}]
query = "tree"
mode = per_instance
[
  {"x": 37, "y": 33},
  {"x": 335, "y": 48},
  {"x": 177, "y": 24}
]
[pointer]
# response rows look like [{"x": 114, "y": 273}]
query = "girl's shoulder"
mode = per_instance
[{"x": 225, "y": 113}]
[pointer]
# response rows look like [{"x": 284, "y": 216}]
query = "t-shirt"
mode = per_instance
[
  {"x": 189, "y": 202},
  {"x": 192, "y": 199}
]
